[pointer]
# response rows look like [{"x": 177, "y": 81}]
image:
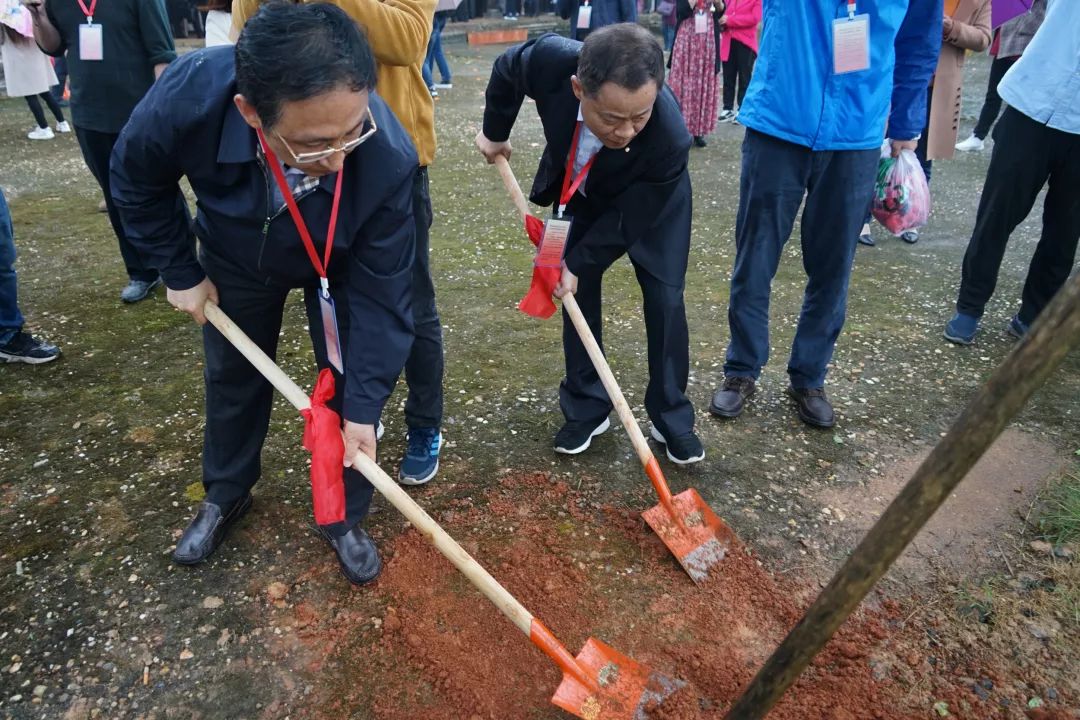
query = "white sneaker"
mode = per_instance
[
  {"x": 726, "y": 115},
  {"x": 444, "y": 86},
  {"x": 972, "y": 144},
  {"x": 63, "y": 127},
  {"x": 41, "y": 133}
]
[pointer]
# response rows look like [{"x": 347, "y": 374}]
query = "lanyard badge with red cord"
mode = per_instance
[{"x": 322, "y": 426}]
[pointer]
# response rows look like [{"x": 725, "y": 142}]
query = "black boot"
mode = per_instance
[{"x": 814, "y": 407}]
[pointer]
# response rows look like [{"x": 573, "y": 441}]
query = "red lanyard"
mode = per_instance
[
  {"x": 89, "y": 13},
  {"x": 298, "y": 220},
  {"x": 570, "y": 183}
]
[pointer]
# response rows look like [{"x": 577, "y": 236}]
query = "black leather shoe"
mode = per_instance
[
  {"x": 730, "y": 399},
  {"x": 208, "y": 529},
  {"x": 814, "y": 407},
  {"x": 357, "y": 555}
]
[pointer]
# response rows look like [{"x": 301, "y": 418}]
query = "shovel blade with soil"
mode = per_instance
[
  {"x": 626, "y": 687},
  {"x": 700, "y": 541}
]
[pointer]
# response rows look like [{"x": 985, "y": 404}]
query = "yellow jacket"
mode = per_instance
[{"x": 398, "y": 31}]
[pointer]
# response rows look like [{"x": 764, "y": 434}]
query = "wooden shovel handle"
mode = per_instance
[
  {"x": 512, "y": 186},
  {"x": 641, "y": 446},
  {"x": 476, "y": 574},
  {"x": 415, "y": 514}
]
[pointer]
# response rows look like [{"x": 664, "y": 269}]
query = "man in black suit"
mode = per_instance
[
  {"x": 615, "y": 162},
  {"x": 279, "y": 139}
]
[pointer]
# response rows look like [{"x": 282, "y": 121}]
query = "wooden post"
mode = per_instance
[{"x": 1024, "y": 371}]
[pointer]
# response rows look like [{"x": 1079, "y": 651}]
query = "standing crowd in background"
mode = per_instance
[{"x": 289, "y": 124}]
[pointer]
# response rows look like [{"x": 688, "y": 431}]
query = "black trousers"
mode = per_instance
[
  {"x": 238, "y": 398},
  {"x": 424, "y": 368},
  {"x": 582, "y": 395},
  {"x": 96, "y": 149},
  {"x": 1027, "y": 155},
  {"x": 992, "y": 104},
  {"x": 738, "y": 68},
  {"x": 39, "y": 114}
]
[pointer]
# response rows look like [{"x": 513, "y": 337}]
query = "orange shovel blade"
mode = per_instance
[
  {"x": 700, "y": 541},
  {"x": 626, "y": 687}
]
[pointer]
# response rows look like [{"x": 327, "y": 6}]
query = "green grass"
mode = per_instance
[{"x": 1059, "y": 520}]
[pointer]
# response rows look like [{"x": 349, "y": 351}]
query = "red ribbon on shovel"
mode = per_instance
[
  {"x": 537, "y": 302},
  {"x": 322, "y": 437}
]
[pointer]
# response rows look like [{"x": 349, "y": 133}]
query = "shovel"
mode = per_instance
[
  {"x": 599, "y": 684},
  {"x": 690, "y": 529}
]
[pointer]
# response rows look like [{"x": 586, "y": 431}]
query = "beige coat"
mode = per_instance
[{"x": 970, "y": 31}]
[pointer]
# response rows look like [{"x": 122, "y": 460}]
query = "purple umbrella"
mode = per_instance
[{"x": 1002, "y": 11}]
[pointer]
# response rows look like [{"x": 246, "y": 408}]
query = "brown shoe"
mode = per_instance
[
  {"x": 814, "y": 407},
  {"x": 729, "y": 400}
]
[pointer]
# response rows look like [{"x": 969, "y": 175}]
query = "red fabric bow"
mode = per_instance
[
  {"x": 537, "y": 302},
  {"x": 322, "y": 437}
]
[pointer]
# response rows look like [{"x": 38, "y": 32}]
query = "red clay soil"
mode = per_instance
[{"x": 444, "y": 652}]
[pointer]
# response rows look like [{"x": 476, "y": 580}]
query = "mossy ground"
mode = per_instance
[{"x": 97, "y": 449}]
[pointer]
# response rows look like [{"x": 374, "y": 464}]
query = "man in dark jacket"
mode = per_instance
[
  {"x": 615, "y": 162},
  {"x": 300, "y": 90},
  {"x": 114, "y": 51}
]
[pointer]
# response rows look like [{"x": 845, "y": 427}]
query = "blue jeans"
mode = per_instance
[
  {"x": 775, "y": 177},
  {"x": 669, "y": 35},
  {"x": 11, "y": 320},
  {"x": 435, "y": 54}
]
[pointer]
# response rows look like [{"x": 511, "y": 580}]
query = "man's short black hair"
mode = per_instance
[
  {"x": 288, "y": 52},
  {"x": 625, "y": 54}
]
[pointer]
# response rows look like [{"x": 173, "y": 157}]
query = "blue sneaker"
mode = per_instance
[
  {"x": 1018, "y": 328},
  {"x": 421, "y": 460},
  {"x": 961, "y": 329}
]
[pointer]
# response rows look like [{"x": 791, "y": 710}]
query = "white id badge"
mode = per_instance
[
  {"x": 851, "y": 44},
  {"x": 91, "y": 46},
  {"x": 330, "y": 331},
  {"x": 701, "y": 23},
  {"x": 584, "y": 17},
  {"x": 553, "y": 243}
]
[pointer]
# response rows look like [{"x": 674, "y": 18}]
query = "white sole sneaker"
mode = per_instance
[
  {"x": 600, "y": 429},
  {"x": 419, "y": 481},
  {"x": 660, "y": 439}
]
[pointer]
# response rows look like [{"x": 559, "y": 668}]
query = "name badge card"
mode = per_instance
[
  {"x": 330, "y": 331},
  {"x": 851, "y": 44},
  {"x": 553, "y": 243},
  {"x": 584, "y": 17},
  {"x": 701, "y": 23},
  {"x": 91, "y": 45}
]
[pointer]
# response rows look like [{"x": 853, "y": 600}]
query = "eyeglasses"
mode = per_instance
[{"x": 367, "y": 130}]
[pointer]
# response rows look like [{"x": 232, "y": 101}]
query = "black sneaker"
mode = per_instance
[
  {"x": 682, "y": 450},
  {"x": 575, "y": 437},
  {"x": 814, "y": 408},
  {"x": 26, "y": 348},
  {"x": 730, "y": 399}
]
